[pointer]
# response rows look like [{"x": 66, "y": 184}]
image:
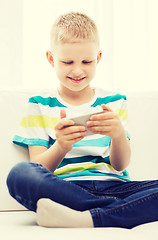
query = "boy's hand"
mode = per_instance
[
  {"x": 66, "y": 133},
  {"x": 107, "y": 123}
]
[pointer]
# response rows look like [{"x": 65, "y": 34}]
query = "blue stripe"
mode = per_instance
[
  {"x": 108, "y": 99},
  {"x": 51, "y": 141},
  {"x": 128, "y": 135},
  {"x": 24, "y": 142},
  {"x": 94, "y": 159},
  {"x": 51, "y": 102},
  {"x": 100, "y": 142}
]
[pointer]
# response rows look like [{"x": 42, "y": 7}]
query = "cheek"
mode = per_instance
[
  {"x": 62, "y": 73},
  {"x": 91, "y": 70},
  {"x": 60, "y": 70}
]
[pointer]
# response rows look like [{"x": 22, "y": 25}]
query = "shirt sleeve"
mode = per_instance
[
  {"x": 32, "y": 130},
  {"x": 123, "y": 115}
]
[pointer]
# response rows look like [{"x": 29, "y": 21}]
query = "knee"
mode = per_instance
[{"x": 17, "y": 175}]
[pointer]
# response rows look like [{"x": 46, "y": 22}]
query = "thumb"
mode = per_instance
[
  {"x": 105, "y": 107},
  {"x": 62, "y": 113}
]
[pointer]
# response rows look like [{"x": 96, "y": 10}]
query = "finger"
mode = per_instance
[
  {"x": 74, "y": 136},
  {"x": 73, "y": 129},
  {"x": 63, "y": 123},
  {"x": 101, "y": 130},
  {"x": 78, "y": 139},
  {"x": 105, "y": 107},
  {"x": 100, "y": 123},
  {"x": 102, "y": 116},
  {"x": 75, "y": 140},
  {"x": 62, "y": 113}
]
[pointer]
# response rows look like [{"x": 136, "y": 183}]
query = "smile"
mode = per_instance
[{"x": 76, "y": 80}]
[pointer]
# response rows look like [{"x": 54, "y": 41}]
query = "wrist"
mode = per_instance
[
  {"x": 61, "y": 150},
  {"x": 120, "y": 136},
  {"x": 120, "y": 152}
]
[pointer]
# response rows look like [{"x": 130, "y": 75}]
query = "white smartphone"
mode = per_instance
[{"x": 81, "y": 120}]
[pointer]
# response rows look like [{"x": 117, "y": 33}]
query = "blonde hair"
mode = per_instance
[{"x": 73, "y": 26}]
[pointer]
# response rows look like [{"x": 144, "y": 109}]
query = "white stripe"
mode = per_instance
[
  {"x": 85, "y": 151},
  {"x": 100, "y": 178},
  {"x": 101, "y": 93},
  {"x": 33, "y": 132},
  {"x": 39, "y": 109},
  {"x": 105, "y": 169}
]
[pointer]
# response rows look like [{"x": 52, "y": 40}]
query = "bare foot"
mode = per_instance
[{"x": 52, "y": 214}]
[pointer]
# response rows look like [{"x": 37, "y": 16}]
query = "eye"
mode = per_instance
[
  {"x": 70, "y": 62},
  {"x": 86, "y": 62}
]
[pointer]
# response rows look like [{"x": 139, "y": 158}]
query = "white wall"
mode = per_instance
[
  {"x": 11, "y": 42},
  {"x": 128, "y": 31},
  {"x": 135, "y": 44}
]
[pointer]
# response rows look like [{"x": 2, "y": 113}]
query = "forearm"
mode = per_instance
[
  {"x": 50, "y": 158},
  {"x": 66, "y": 135},
  {"x": 120, "y": 152}
]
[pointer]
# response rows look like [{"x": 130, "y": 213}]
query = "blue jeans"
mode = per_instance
[{"x": 111, "y": 203}]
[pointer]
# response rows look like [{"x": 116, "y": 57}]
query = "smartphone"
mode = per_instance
[{"x": 81, "y": 120}]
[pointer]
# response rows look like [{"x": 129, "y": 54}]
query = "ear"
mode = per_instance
[
  {"x": 99, "y": 56},
  {"x": 50, "y": 58}
]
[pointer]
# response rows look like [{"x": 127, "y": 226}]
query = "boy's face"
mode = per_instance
[{"x": 75, "y": 64}]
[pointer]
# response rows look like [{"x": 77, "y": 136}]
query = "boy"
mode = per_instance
[{"x": 75, "y": 180}]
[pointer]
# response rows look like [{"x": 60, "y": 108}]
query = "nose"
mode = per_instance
[{"x": 77, "y": 71}]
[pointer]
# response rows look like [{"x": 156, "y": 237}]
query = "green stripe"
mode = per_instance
[
  {"x": 94, "y": 172},
  {"x": 108, "y": 99},
  {"x": 42, "y": 121},
  {"x": 77, "y": 168},
  {"x": 51, "y": 102}
]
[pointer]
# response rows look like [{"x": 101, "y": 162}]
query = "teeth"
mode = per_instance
[{"x": 76, "y": 79}]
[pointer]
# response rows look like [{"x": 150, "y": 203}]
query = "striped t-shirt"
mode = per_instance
[{"x": 89, "y": 158}]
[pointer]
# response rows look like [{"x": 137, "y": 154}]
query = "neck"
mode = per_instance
[{"x": 76, "y": 97}]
